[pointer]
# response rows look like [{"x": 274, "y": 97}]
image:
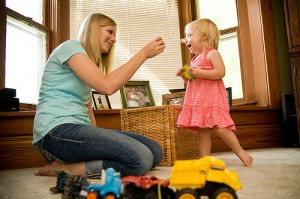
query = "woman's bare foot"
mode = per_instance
[
  {"x": 245, "y": 157},
  {"x": 49, "y": 170}
]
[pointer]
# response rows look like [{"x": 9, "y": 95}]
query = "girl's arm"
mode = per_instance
[
  {"x": 218, "y": 71},
  {"x": 88, "y": 72},
  {"x": 91, "y": 112},
  {"x": 180, "y": 74}
]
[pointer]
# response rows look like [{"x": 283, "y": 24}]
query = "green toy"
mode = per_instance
[{"x": 186, "y": 74}]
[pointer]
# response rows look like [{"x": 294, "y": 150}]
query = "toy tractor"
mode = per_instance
[{"x": 70, "y": 185}]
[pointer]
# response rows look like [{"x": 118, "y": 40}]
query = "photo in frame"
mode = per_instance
[
  {"x": 173, "y": 98},
  {"x": 136, "y": 94},
  {"x": 100, "y": 101}
]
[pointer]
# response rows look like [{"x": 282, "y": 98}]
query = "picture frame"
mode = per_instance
[
  {"x": 229, "y": 95},
  {"x": 173, "y": 98},
  {"x": 136, "y": 94},
  {"x": 100, "y": 101}
]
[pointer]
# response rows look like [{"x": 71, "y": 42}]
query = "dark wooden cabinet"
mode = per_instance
[
  {"x": 292, "y": 18},
  {"x": 16, "y": 150},
  {"x": 257, "y": 127}
]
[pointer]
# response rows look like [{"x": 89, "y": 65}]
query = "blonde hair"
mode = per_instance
[
  {"x": 206, "y": 29},
  {"x": 88, "y": 36}
]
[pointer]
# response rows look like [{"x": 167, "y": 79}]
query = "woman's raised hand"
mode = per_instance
[{"x": 153, "y": 48}]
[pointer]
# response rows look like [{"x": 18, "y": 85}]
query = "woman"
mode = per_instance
[{"x": 65, "y": 129}]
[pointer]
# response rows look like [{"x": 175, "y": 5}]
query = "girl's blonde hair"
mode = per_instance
[
  {"x": 89, "y": 37},
  {"x": 207, "y": 30}
]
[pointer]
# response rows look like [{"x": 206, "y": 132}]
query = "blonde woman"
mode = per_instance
[
  {"x": 64, "y": 127},
  {"x": 206, "y": 106}
]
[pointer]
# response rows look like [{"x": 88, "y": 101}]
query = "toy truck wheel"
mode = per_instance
[
  {"x": 110, "y": 196},
  {"x": 167, "y": 193},
  {"x": 187, "y": 194},
  {"x": 223, "y": 192},
  {"x": 92, "y": 195},
  {"x": 124, "y": 196},
  {"x": 151, "y": 195}
]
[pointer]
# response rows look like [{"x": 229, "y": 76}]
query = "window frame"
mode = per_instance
[
  {"x": 3, "y": 14},
  {"x": 228, "y": 31},
  {"x": 55, "y": 15},
  {"x": 256, "y": 70}
]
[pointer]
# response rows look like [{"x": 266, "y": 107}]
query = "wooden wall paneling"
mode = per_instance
[
  {"x": 292, "y": 18},
  {"x": 270, "y": 52},
  {"x": 16, "y": 124},
  {"x": 109, "y": 119},
  {"x": 252, "y": 137},
  {"x": 244, "y": 116},
  {"x": 257, "y": 127},
  {"x": 2, "y": 42},
  {"x": 295, "y": 64},
  {"x": 17, "y": 152},
  {"x": 291, "y": 8}
]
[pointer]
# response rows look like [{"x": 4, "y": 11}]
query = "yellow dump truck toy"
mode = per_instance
[{"x": 207, "y": 176}]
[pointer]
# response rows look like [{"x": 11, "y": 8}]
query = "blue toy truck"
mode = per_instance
[{"x": 110, "y": 188}]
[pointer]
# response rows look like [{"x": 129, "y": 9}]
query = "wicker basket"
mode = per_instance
[
  {"x": 184, "y": 142},
  {"x": 160, "y": 124},
  {"x": 152, "y": 122}
]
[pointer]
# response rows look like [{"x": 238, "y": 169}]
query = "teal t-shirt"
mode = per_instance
[{"x": 63, "y": 96}]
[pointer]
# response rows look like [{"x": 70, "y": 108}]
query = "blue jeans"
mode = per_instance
[{"x": 128, "y": 153}]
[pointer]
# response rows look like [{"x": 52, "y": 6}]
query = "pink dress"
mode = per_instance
[{"x": 205, "y": 104}]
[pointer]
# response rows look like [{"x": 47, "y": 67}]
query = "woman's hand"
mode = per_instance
[{"x": 153, "y": 48}]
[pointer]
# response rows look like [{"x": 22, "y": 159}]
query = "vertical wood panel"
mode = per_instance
[
  {"x": 186, "y": 14},
  {"x": 245, "y": 52},
  {"x": 292, "y": 13},
  {"x": 258, "y": 52},
  {"x": 271, "y": 54},
  {"x": 63, "y": 21},
  {"x": 293, "y": 26},
  {"x": 2, "y": 42}
]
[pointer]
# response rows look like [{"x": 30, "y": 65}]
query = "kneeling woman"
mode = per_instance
[{"x": 64, "y": 127}]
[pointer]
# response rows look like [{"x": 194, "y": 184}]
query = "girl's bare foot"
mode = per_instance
[{"x": 245, "y": 157}]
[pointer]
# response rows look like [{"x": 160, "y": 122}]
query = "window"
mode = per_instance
[
  {"x": 224, "y": 14},
  {"x": 139, "y": 22},
  {"x": 25, "y": 48},
  {"x": 256, "y": 41}
]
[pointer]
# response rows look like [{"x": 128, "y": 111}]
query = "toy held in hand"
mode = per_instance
[{"x": 186, "y": 74}]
